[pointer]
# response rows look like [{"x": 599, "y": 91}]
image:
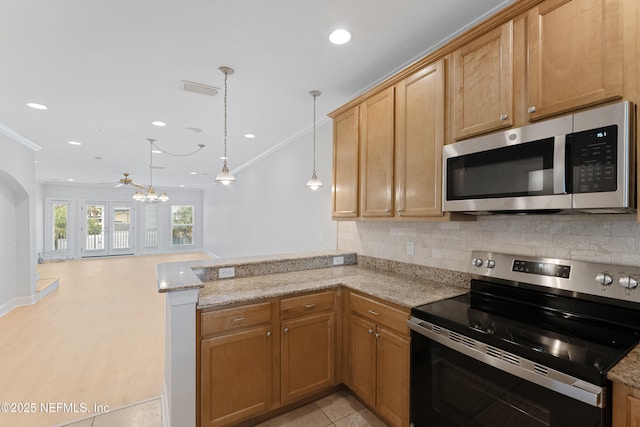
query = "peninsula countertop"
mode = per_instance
[{"x": 399, "y": 289}]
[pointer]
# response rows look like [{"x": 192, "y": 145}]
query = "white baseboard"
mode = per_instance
[
  {"x": 166, "y": 422},
  {"x": 17, "y": 302}
]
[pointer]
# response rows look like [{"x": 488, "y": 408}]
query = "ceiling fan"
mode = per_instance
[{"x": 127, "y": 181}]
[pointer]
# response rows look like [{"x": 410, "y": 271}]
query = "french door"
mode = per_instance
[{"x": 107, "y": 229}]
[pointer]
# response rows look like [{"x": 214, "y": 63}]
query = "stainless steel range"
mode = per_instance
[{"x": 529, "y": 345}]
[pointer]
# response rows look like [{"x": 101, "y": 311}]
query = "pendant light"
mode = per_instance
[
  {"x": 225, "y": 177},
  {"x": 314, "y": 183},
  {"x": 150, "y": 196}
]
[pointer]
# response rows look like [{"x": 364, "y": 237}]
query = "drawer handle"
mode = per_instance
[
  {"x": 375, "y": 313},
  {"x": 238, "y": 319},
  {"x": 309, "y": 306}
]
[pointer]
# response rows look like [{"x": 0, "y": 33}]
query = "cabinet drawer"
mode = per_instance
[
  {"x": 379, "y": 312},
  {"x": 217, "y": 322},
  {"x": 306, "y": 304}
]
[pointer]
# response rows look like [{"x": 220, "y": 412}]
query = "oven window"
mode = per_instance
[
  {"x": 451, "y": 389},
  {"x": 517, "y": 170}
]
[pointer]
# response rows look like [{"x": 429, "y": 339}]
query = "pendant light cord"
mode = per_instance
[
  {"x": 314, "y": 133},
  {"x": 151, "y": 162},
  {"x": 225, "y": 117}
]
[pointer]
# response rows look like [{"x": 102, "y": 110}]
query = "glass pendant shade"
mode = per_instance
[
  {"x": 314, "y": 183},
  {"x": 225, "y": 177}
]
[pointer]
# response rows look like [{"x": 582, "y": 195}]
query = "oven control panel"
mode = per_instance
[
  {"x": 542, "y": 268},
  {"x": 604, "y": 280}
]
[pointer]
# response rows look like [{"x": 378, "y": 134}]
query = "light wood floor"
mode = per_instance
[{"x": 98, "y": 339}]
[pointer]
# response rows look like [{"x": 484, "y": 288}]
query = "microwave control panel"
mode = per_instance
[{"x": 593, "y": 159}]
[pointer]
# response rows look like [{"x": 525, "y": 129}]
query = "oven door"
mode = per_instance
[
  {"x": 516, "y": 170},
  {"x": 449, "y": 388}
]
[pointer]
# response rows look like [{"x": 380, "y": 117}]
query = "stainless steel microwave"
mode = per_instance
[{"x": 580, "y": 163}]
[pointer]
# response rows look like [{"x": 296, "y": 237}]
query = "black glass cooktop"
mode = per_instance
[{"x": 558, "y": 332}]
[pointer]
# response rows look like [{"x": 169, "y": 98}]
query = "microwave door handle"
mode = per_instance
[{"x": 559, "y": 183}]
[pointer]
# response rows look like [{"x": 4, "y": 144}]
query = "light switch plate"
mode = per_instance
[
  {"x": 226, "y": 272},
  {"x": 338, "y": 260}
]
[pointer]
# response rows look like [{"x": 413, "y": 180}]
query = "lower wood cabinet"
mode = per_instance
[
  {"x": 626, "y": 406},
  {"x": 307, "y": 355},
  {"x": 247, "y": 368},
  {"x": 236, "y": 376},
  {"x": 378, "y": 354},
  {"x": 236, "y": 354}
]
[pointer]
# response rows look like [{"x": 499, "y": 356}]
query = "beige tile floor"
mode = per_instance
[
  {"x": 340, "y": 409},
  {"x": 98, "y": 339}
]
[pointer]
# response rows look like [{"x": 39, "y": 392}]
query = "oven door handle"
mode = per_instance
[{"x": 515, "y": 365}]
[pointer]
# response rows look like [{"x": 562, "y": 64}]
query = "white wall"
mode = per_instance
[
  {"x": 609, "y": 239},
  {"x": 17, "y": 222},
  {"x": 269, "y": 210},
  {"x": 78, "y": 194}
]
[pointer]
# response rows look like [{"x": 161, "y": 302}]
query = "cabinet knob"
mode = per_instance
[
  {"x": 370, "y": 331},
  {"x": 269, "y": 333},
  {"x": 377, "y": 335},
  {"x": 400, "y": 210},
  {"x": 387, "y": 210},
  {"x": 532, "y": 109},
  {"x": 503, "y": 117},
  {"x": 286, "y": 330},
  {"x": 352, "y": 212}
]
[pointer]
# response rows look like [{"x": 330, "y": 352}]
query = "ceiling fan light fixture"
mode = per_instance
[
  {"x": 163, "y": 197},
  {"x": 138, "y": 196}
]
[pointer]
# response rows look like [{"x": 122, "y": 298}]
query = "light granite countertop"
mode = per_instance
[
  {"x": 401, "y": 290},
  {"x": 627, "y": 371}
]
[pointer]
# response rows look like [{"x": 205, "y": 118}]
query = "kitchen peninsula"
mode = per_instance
[{"x": 270, "y": 294}]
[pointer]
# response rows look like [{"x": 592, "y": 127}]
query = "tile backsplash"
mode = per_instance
[{"x": 609, "y": 239}]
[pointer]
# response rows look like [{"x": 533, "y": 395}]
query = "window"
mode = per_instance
[
  {"x": 151, "y": 226},
  {"x": 60, "y": 218},
  {"x": 181, "y": 225}
]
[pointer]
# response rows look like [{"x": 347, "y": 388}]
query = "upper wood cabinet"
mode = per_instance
[
  {"x": 418, "y": 143},
  {"x": 482, "y": 80},
  {"x": 376, "y": 155},
  {"x": 575, "y": 55},
  {"x": 345, "y": 164}
]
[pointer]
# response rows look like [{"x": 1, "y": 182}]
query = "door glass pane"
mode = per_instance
[
  {"x": 181, "y": 225},
  {"x": 151, "y": 226},
  {"x": 95, "y": 227},
  {"x": 60, "y": 217},
  {"x": 121, "y": 236}
]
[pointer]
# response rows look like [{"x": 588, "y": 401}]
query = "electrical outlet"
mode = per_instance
[
  {"x": 411, "y": 248},
  {"x": 226, "y": 272},
  {"x": 338, "y": 260}
]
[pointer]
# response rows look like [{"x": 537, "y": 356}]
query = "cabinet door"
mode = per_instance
[
  {"x": 393, "y": 377},
  {"x": 307, "y": 355},
  {"x": 633, "y": 408},
  {"x": 362, "y": 349},
  {"x": 418, "y": 145},
  {"x": 483, "y": 84},
  {"x": 236, "y": 375},
  {"x": 376, "y": 161},
  {"x": 345, "y": 164},
  {"x": 575, "y": 54}
]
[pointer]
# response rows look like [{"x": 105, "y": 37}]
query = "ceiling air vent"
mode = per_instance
[{"x": 198, "y": 88}]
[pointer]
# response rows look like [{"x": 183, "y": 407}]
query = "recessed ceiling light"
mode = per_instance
[
  {"x": 193, "y": 173},
  {"x": 71, "y": 180},
  {"x": 36, "y": 106},
  {"x": 158, "y": 123},
  {"x": 181, "y": 185},
  {"x": 194, "y": 130},
  {"x": 74, "y": 143},
  {"x": 340, "y": 36},
  {"x": 156, "y": 151},
  {"x": 249, "y": 135}
]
